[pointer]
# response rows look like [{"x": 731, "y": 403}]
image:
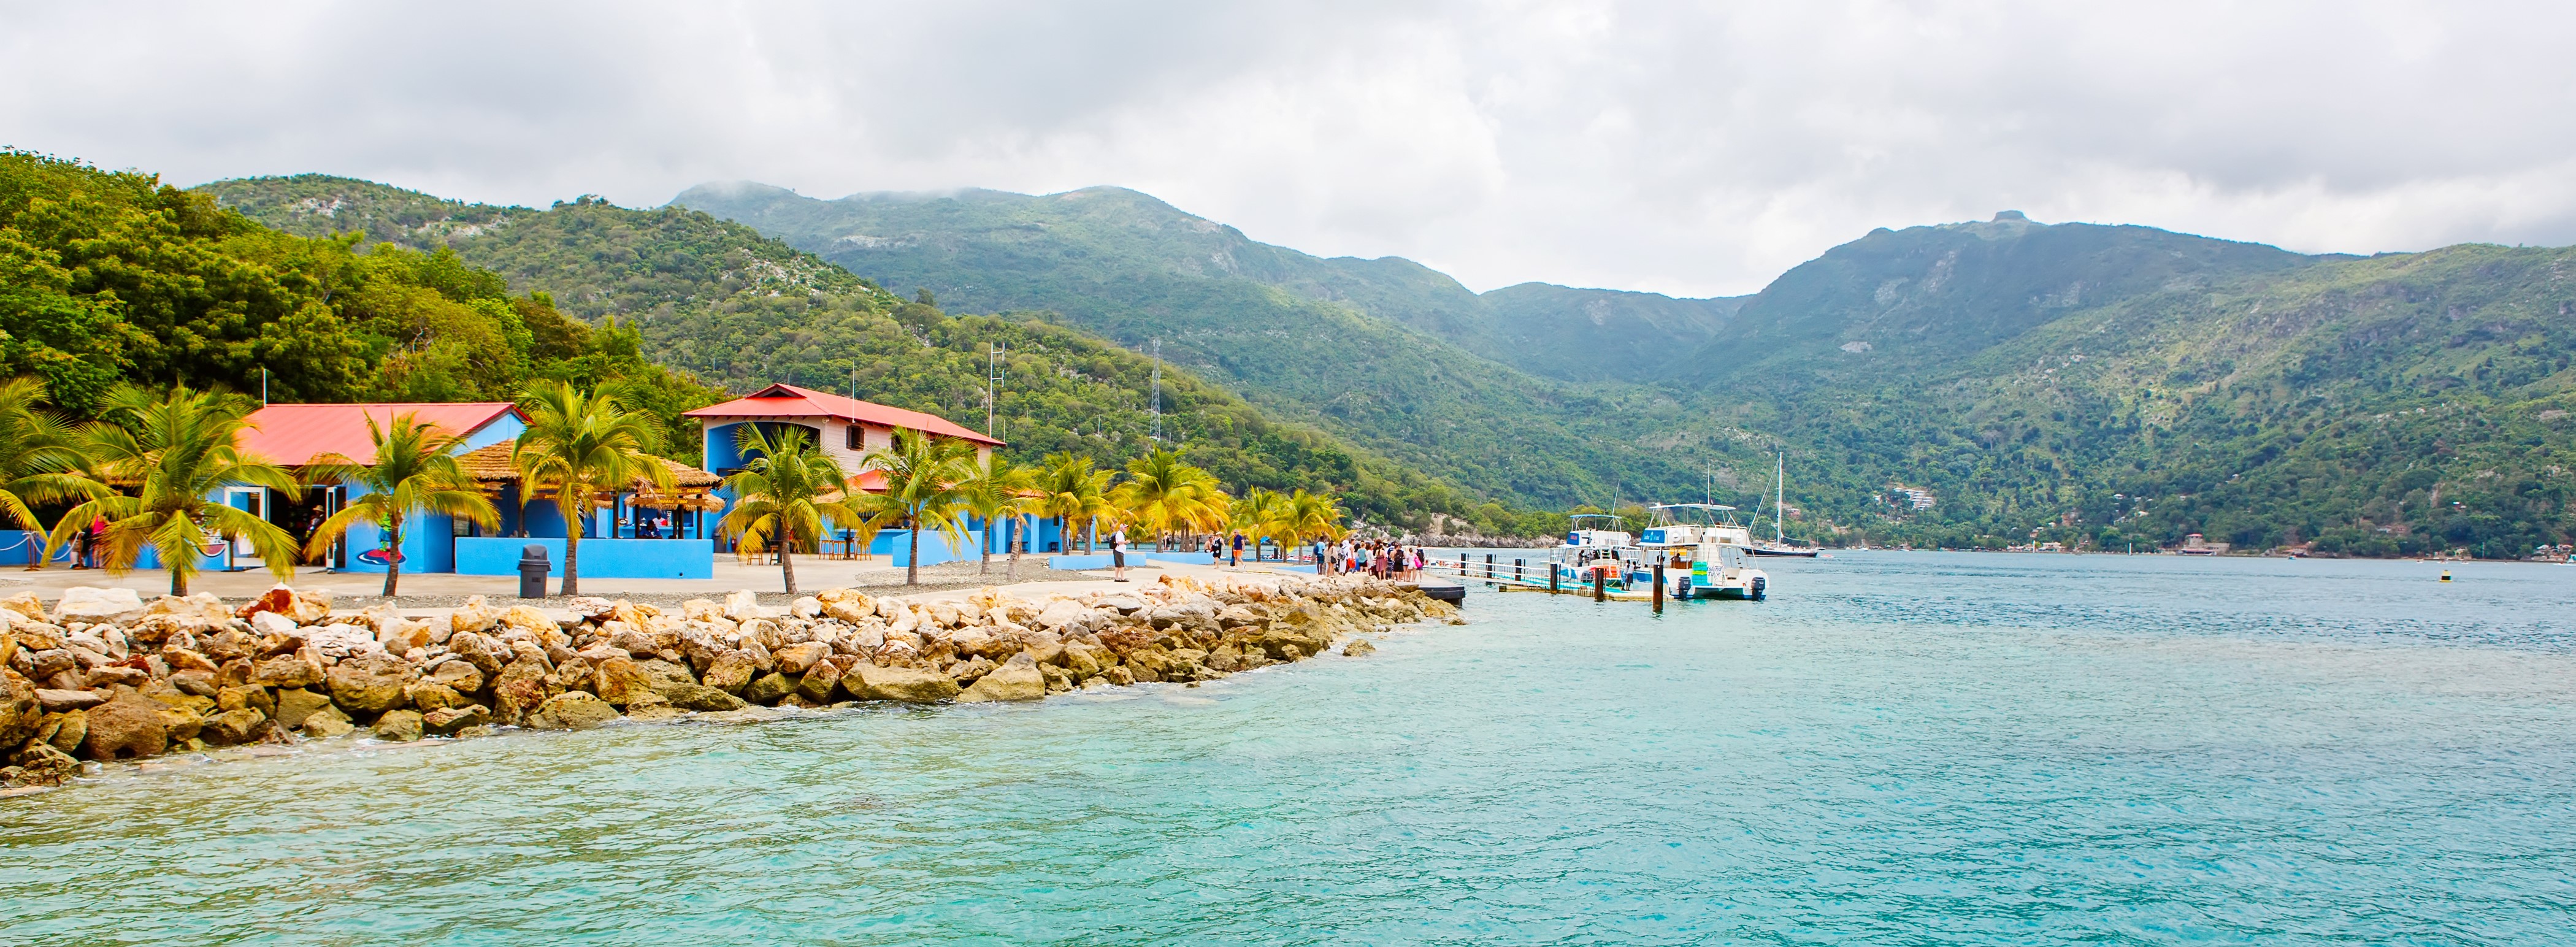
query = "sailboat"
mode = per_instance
[{"x": 1779, "y": 543}]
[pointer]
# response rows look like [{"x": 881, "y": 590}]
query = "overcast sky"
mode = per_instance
[{"x": 1683, "y": 148}]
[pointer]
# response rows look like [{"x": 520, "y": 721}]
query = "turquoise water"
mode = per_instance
[{"x": 1897, "y": 749}]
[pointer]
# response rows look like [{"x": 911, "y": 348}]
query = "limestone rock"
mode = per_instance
[
  {"x": 302, "y": 668},
  {"x": 1017, "y": 680},
  {"x": 699, "y": 697},
  {"x": 910, "y": 685},
  {"x": 311, "y": 605},
  {"x": 731, "y": 671},
  {"x": 428, "y": 695},
  {"x": 968, "y": 671},
  {"x": 846, "y": 605},
  {"x": 798, "y": 658},
  {"x": 245, "y": 695},
  {"x": 295, "y": 705},
  {"x": 482, "y": 652},
  {"x": 117, "y": 675},
  {"x": 590, "y": 607},
  {"x": 744, "y": 605},
  {"x": 70, "y": 731},
  {"x": 22, "y": 708},
  {"x": 768, "y": 689},
  {"x": 327, "y": 723},
  {"x": 806, "y": 607},
  {"x": 272, "y": 624},
  {"x": 1058, "y": 680},
  {"x": 60, "y": 700},
  {"x": 340, "y": 640},
  {"x": 127, "y": 727},
  {"x": 459, "y": 675},
  {"x": 819, "y": 681},
  {"x": 87, "y": 604},
  {"x": 621, "y": 681},
  {"x": 1119, "y": 675},
  {"x": 452, "y": 719},
  {"x": 529, "y": 620},
  {"x": 230, "y": 727},
  {"x": 518, "y": 690},
  {"x": 572, "y": 710},
  {"x": 399, "y": 726},
  {"x": 25, "y": 605},
  {"x": 371, "y": 684},
  {"x": 1358, "y": 647},
  {"x": 183, "y": 659},
  {"x": 474, "y": 616}
]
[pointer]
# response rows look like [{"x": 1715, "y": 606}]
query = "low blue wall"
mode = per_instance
[
  {"x": 600, "y": 558},
  {"x": 1101, "y": 560}
]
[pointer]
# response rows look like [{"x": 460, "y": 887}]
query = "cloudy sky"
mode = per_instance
[{"x": 1681, "y": 148}]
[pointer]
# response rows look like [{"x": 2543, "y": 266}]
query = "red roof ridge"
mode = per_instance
[
  {"x": 838, "y": 406},
  {"x": 293, "y": 434}
]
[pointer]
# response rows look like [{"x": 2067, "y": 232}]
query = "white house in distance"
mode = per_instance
[{"x": 847, "y": 429}]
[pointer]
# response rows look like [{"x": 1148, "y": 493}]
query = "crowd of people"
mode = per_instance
[{"x": 1381, "y": 558}]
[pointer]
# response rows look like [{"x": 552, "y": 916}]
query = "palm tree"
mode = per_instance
[
  {"x": 1304, "y": 516},
  {"x": 1257, "y": 513},
  {"x": 1163, "y": 493},
  {"x": 787, "y": 490},
  {"x": 1069, "y": 488},
  {"x": 37, "y": 461},
  {"x": 175, "y": 452},
  {"x": 580, "y": 446},
  {"x": 923, "y": 475},
  {"x": 996, "y": 490},
  {"x": 415, "y": 470}
]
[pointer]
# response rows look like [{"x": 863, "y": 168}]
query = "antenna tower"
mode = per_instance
[{"x": 994, "y": 361}]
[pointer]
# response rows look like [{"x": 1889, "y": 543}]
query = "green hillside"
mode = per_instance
[
  {"x": 1940, "y": 359},
  {"x": 717, "y": 299},
  {"x": 1356, "y": 346}
]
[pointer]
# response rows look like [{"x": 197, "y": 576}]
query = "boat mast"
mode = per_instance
[{"x": 1779, "y": 498}]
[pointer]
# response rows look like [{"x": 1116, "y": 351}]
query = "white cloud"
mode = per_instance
[{"x": 1686, "y": 148}]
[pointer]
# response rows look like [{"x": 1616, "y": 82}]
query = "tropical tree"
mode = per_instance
[
  {"x": 787, "y": 491},
  {"x": 38, "y": 460},
  {"x": 923, "y": 477},
  {"x": 1070, "y": 489},
  {"x": 1303, "y": 516},
  {"x": 1258, "y": 514},
  {"x": 1164, "y": 493},
  {"x": 174, "y": 451},
  {"x": 580, "y": 445},
  {"x": 415, "y": 470},
  {"x": 997, "y": 489}
]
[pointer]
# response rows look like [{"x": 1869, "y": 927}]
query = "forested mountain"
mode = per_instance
[
  {"x": 2033, "y": 381},
  {"x": 719, "y": 300}
]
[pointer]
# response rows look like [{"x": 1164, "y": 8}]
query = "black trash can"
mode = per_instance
[{"x": 533, "y": 567}]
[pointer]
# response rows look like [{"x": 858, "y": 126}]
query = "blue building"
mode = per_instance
[{"x": 848, "y": 429}]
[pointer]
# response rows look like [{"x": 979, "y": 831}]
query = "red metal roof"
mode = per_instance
[
  {"x": 291, "y": 434},
  {"x": 789, "y": 401}
]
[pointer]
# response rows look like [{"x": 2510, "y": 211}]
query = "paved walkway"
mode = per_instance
[{"x": 730, "y": 576}]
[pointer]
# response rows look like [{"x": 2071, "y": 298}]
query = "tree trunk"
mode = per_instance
[
  {"x": 393, "y": 561},
  {"x": 984, "y": 551},
  {"x": 572, "y": 554},
  {"x": 912, "y": 567},
  {"x": 787, "y": 568},
  {"x": 1019, "y": 538}
]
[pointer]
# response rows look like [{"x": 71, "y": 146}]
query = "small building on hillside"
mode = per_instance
[{"x": 848, "y": 429}]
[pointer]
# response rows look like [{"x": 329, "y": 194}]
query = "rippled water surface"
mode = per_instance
[{"x": 1898, "y": 748}]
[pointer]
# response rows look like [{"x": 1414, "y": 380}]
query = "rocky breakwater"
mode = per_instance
[{"x": 105, "y": 676}]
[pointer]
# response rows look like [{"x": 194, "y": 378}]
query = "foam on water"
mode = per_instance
[{"x": 1899, "y": 748}]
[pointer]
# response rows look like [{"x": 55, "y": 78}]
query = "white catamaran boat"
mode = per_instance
[
  {"x": 1705, "y": 553},
  {"x": 1611, "y": 552}
]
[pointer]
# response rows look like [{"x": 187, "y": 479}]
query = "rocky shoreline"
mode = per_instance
[{"x": 103, "y": 676}]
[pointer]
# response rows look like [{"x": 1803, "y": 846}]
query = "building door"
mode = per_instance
[{"x": 251, "y": 500}]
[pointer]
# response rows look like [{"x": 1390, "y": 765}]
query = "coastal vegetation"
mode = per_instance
[
  {"x": 174, "y": 452},
  {"x": 581, "y": 446},
  {"x": 414, "y": 470},
  {"x": 786, "y": 494}
]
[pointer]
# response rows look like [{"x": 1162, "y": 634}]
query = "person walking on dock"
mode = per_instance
[
  {"x": 1236, "y": 560},
  {"x": 1118, "y": 556}
]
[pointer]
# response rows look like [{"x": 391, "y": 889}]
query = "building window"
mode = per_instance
[{"x": 858, "y": 437}]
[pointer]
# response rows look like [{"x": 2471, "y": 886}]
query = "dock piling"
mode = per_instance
[
  {"x": 1659, "y": 588},
  {"x": 1553, "y": 575},
  {"x": 1600, "y": 585}
]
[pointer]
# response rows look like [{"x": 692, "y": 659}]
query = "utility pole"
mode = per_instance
[
  {"x": 1158, "y": 391},
  {"x": 993, "y": 364}
]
